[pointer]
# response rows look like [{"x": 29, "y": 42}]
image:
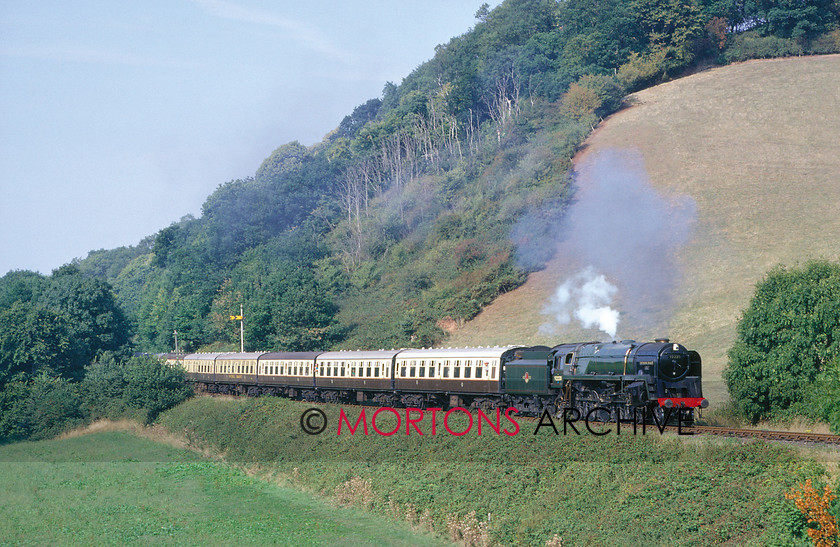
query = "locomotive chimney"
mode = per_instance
[{"x": 662, "y": 340}]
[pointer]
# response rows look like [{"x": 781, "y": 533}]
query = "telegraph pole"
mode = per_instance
[{"x": 176, "y": 340}]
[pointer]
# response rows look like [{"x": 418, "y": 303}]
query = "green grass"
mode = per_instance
[
  {"x": 115, "y": 488},
  {"x": 525, "y": 489}
]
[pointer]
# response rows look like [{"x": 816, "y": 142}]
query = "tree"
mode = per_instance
[
  {"x": 33, "y": 339},
  {"x": 97, "y": 323},
  {"x": 786, "y": 337},
  {"x": 285, "y": 159},
  {"x": 38, "y": 408},
  {"x": 20, "y": 286},
  {"x": 797, "y": 19}
]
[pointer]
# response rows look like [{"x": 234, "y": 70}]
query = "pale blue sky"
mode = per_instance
[{"x": 118, "y": 118}]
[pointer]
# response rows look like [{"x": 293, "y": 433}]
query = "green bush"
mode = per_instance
[
  {"x": 40, "y": 408},
  {"x": 787, "y": 336},
  {"x": 751, "y": 45},
  {"x": 141, "y": 388},
  {"x": 822, "y": 398}
]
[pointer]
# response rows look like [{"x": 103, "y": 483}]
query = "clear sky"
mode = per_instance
[{"x": 119, "y": 118}]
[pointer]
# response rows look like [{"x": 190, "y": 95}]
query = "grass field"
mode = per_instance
[
  {"x": 523, "y": 489},
  {"x": 115, "y": 488},
  {"x": 755, "y": 146}
]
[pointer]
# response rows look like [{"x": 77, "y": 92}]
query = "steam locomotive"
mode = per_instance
[{"x": 606, "y": 381}]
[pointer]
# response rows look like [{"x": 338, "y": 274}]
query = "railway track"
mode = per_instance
[
  {"x": 768, "y": 435},
  {"x": 789, "y": 436}
]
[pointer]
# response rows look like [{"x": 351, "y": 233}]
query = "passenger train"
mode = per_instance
[{"x": 613, "y": 379}]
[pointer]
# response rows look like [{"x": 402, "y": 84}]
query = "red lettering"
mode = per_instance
[
  {"x": 494, "y": 428},
  {"x": 434, "y": 412},
  {"x": 409, "y": 422},
  {"x": 389, "y": 409},
  {"x": 343, "y": 418},
  {"x": 508, "y": 413},
  {"x": 446, "y": 425}
]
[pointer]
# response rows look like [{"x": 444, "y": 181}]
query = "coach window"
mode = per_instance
[
  {"x": 402, "y": 370},
  {"x": 413, "y": 370},
  {"x": 457, "y": 370},
  {"x": 342, "y": 369},
  {"x": 468, "y": 369},
  {"x": 446, "y": 369},
  {"x": 431, "y": 369},
  {"x": 376, "y": 367}
]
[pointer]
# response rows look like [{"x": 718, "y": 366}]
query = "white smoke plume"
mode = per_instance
[
  {"x": 615, "y": 246},
  {"x": 585, "y": 297}
]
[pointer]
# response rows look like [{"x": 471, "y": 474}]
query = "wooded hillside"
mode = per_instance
[{"x": 426, "y": 203}]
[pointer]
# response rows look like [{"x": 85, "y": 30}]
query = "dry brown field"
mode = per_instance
[{"x": 756, "y": 145}]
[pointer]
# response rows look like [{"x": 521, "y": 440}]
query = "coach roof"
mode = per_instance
[
  {"x": 290, "y": 356},
  {"x": 457, "y": 353},
  {"x": 357, "y": 355}
]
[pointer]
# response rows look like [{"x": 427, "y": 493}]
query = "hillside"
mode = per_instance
[
  {"x": 754, "y": 146},
  {"x": 426, "y": 204}
]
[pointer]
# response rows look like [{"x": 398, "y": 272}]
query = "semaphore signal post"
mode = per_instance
[{"x": 241, "y": 319}]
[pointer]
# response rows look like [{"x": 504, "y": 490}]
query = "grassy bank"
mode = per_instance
[
  {"x": 115, "y": 488},
  {"x": 521, "y": 489}
]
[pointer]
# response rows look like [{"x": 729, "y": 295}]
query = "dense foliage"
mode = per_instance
[
  {"x": 51, "y": 329},
  {"x": 404, "y": 218},
  {"x": 45, "y": 405},
  {"x": 57, "y": 324},
  {"x": 787, "y": 355}
]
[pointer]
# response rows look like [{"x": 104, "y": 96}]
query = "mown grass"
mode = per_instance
[
  {"x": 522, "y": 489},
  {"x": 115, "y": 488},
  {"x": 755, "y": 145}
]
